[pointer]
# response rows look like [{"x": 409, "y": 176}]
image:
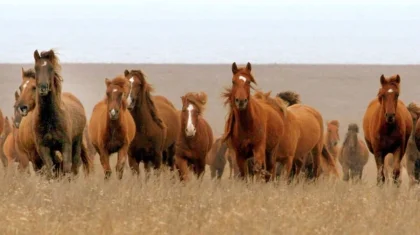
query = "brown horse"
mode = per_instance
[
  {"x": 412, "y": 154},
  {"x": 317, "y": 158},
  {"x": 195, "y": 138},
  {"x": 253, "y": 128},
  {"x": 387, "y": 125},
  {"x": 353, "y": 155},
  {"x": 304, "y": 128},
  {"x": 332, "y": 137},
  {"x": 4, "y": 136},
  {"x": 111, "y": 126},
  {"x": 217, "y": 157},
  {"x": 58, "y": 120},
  {"x": 157, "y": 125},
  {"x": 9, "y": 149}
]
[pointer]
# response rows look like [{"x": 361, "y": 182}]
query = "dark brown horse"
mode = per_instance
[
  {"x": 387, "y": 125},
  {"x": 157, "y": 125},
  {"x": 353, "y": 154},
  {"x": 59, "y": 119},
  {"x": 195, "y": 138},
  {"x": 412, "y": 154},
  {"x": 111, "y": 126}
]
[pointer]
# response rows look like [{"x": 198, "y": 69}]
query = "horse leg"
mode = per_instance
[
  {"x": 379, "y": 159},
  {"x": 67, "y": 157},
  {"x": 199, "y": 167},
  {"x": 397, "y": 166},
  {"x": 76, "y": 155},
  {"x": 134, "y": 165},
  {"x": 213, "y": 171},
  {"x": 122, "y": 158},
  {"x": 23, "y": 163},
  {"x": 346, "y": 173},
  {"x": 170, "y": 152},
  {"x": 182, "y": 167},
  {"x": 104, "y": 157},
  {"x": 45, "y": 154},
  {"x": 259, "y": 159}
]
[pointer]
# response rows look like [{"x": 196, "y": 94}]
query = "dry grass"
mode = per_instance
[{"x": 162, "y": 205}]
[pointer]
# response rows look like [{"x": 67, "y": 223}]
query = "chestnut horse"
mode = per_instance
[
  {"x": 387, "y": 125},
  {"x": 9, "y": 149},
  {"x": 412, "y": 154},
  {"x": 4, "y": 145},
  {"x": 195, "y": 137},
  {"x": 303, "y": 136},
  {"x": 157, "y": 125},
  {"x": 353, "y": 154},
  {"x": 58, "y": 119},
  {"x": 111, "y": 126},
  {"x": 253, "y": 128},
  {"x": 332, "y": 137}
]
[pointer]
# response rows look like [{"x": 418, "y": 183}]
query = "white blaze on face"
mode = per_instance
[
  {"x": 113, "y": 112},
  {"x": 115, "y": 90},
  {"x": 190, "y": 130},
  {"x": 242, "y": 78},
  {"x": 25, "y": 85},
  {"x": 390, "y": 90},
  {"x": 44, "y": 64},
  {"x": 129, "y": 100}
]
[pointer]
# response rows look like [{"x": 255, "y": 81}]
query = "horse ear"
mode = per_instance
[
  {"x": 234, "y": 68},
  {"x": 36, "y": 55},
  {"x": 248, "y": 67},
  {"x": 397, "y": 79},
  {"x": 23, "y": 71},
  {"x": 383, "y": 80},
  {"x": 107, "y": 82},
  {"x": 126, "y": 72}
]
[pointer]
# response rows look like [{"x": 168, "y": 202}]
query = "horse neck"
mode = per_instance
[
  {"x": 142, "y": 112},
  {"x": 48, "y": 105},
  {"x": 114, "y": 126},
  {"x": 246, "y": 118}
]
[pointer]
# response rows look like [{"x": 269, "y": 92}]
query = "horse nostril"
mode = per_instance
[
  {"x": 236, "y": 100},
  {"x": 245, "y": 100}
]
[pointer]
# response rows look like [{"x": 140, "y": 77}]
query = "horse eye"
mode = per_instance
[
  {"x": 33, "y": 88},
  {"x": 233, "y": 82}
]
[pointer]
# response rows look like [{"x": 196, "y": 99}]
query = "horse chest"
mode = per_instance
[{"x": 114, "y": 141}]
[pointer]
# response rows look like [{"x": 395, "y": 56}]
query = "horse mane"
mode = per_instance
[
  {"x": 413, "y": 108},
  {"x": 289, "y": 97},
  {"x": 51, "y": 56},
  {"x": 148, "y": 88},
  {"x": 29, "y": 73},
  {"x": 275, "y": 103},
  {"x": 199, "y": 99},
  {"x": 335, "y": 123}
]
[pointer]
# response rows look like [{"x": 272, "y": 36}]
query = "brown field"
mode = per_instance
[{"x": 161, "y": 205}]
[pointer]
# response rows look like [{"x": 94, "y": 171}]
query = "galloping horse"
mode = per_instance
[
  {"x": 217, "y": 157},
  {"x": 387, "y": 125},
  {"x": 4, "y": 141},
  {"x": 157, "y": 125},
  {"x": 59, "y": 119},
  {"x": 332, "y": 137},
  {"x": 253, "y": 128},
  {"x": 111, "y": 126},
  {"x": 303, "y": 136},
  {"x": 353, "y": 154},
  {"x": 195, "y": 138},
  {"x": 412, "y": 154}
]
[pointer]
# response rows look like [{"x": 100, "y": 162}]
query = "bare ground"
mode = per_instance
[{"x": 161, "y": 205}]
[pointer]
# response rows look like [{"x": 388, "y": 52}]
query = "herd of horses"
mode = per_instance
[{"x": 265, "y": 136}]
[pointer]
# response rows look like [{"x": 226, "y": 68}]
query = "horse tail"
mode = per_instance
[
  {"x": 86, "y": 160},
  {"x": 290, "y": 97},
  {"x": 329, "y": 159}
]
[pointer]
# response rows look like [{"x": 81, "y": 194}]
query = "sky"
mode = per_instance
[{"x": 301, "y": 31}]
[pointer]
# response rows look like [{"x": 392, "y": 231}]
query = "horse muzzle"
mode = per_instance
[
  {"x": 43, "y": 89},
  {"x": 241, "y": 104},
  {"x": 390, "y": 117},
  {"x": 114, "y": 114},
  {"x": 23, "y": 110},
  {"x": 131, "y": 105}
]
